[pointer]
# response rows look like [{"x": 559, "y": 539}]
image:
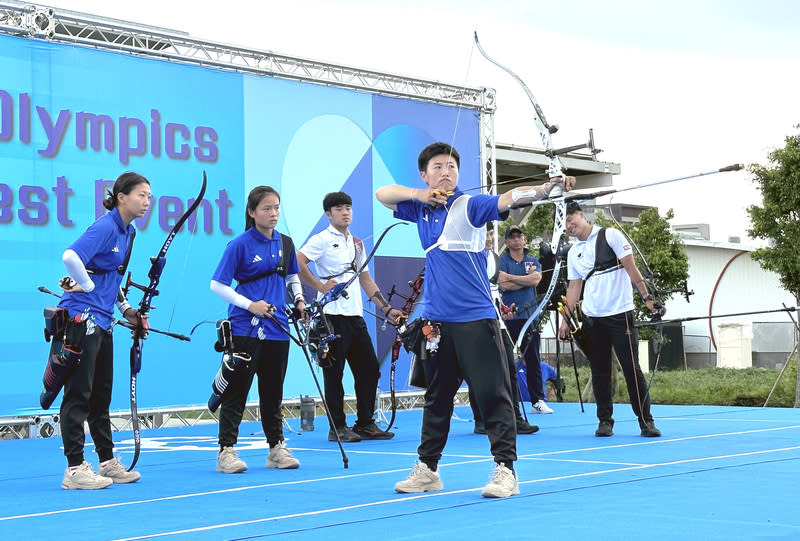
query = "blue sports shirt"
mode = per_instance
[
  {"x": 456, "y": 286},
  {"x": 102, "y": 249},
  {"x": 247, "y": 256}
]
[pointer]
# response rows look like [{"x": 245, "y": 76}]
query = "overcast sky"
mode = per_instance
[{"x": 671, "y": 88}]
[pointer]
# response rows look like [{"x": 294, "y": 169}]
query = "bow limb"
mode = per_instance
[
  {"x": 555, "y": 169},
  {"x": 545, "y": 129},
  {"x": 150, "y": 291},
  {"x": 158, "y": 262},
  {"x": 559, "y": 228}
]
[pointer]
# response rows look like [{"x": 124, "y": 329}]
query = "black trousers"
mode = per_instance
[
  {"x": 530, "y": 354},
  {"x": 87, "y": 397},
  {"x": 355, "y": 345},
  {"x": 473, "y": 352},
  {"x": 617, "y": 331},
  {"x": 508, "y": 347},
  {"x": 269, "y": 359}
]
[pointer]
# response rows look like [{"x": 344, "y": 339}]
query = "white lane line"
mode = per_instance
[
  {"x": 448, "y": 493},
  {"x": 474, "y": 459}
]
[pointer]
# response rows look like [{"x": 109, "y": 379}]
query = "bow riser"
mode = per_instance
[{"x": 406, "y": 310}]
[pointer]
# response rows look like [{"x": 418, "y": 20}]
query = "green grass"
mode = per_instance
[{"x": 709, "y": 386}]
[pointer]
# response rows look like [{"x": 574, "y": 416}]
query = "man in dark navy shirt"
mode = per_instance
[{"x": 520, "y": 273}]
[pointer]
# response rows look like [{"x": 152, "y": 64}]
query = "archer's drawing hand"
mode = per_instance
[
  {"x": 563, "y": 331},
  {"x": 432, "y": 197},
  {"x": 394, "y": 315},
  {"x": 261, "y": 309},
  {"x": 68, "y": 285},
  {"x": 508, "y": 312}
]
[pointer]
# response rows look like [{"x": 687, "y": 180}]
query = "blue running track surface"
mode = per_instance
[{"x": 717, "y": 473}]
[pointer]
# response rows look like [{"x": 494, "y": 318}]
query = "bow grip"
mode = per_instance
[
  {"x": 334, "y": 293},
  {"x": 556, "y": 191}
]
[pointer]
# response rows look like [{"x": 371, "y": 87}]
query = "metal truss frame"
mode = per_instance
[
  {"x": 61, "y": 26},
  {"x": 488, "y": 155},
  {"x": 45, "y": 426}
]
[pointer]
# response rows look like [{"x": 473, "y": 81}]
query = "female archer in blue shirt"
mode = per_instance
[
  {"x": 96, "y": 263},
  {"x": 264, "y": 263}
]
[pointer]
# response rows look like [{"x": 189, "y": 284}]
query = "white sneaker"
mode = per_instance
[
  {"x": 502, "y": 484},
  {"x": 229, "y": 462},
  {"x": 280, "y": 457},
  {"x": 84, "y": 478},
  {"x": 541, "y": 407},
  {"x": 114, "y": 470},
  {"x": 422, "y": 479}
]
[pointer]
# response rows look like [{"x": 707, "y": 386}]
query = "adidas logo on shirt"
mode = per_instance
[
  {"x": 115, "y": 249},
  {"x": 256, "y": 259}
]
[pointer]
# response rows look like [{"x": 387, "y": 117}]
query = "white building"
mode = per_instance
[{"x": 726, "y": 280}]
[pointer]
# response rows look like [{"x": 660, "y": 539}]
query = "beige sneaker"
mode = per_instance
[
  {"x": 84, "y": 478},
  {"x": 502, "y": 484},
  {"x": 229, "y": 462},
  {"x": 280, "y": 457},
  {"x": 422, "y": 479},
  {"x": 114, "y": 470}
]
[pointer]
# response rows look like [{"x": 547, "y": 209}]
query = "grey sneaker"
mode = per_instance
[
  {"x": 422, "y": 479},
  {"x": 372, "y": 432},
  {"x": 229, "y": 462},
  {"x": 84, "y": 478},
  {"x": 524, "y": 427},
  {"x": 345, "y": 435},
  {"x": 604, "y": 429},
  {"x": 114, "y": 470},
  {"x": 649, "y": 430},
  {"x": 280, "y": 457},
  {"x": 502, "y": 484}
]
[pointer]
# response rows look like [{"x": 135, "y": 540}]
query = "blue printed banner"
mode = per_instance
[{"x": 72, "y": 119}]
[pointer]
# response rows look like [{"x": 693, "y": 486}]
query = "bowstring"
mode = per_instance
[
  {"x": 185, "y": 263},
  {"x": 483, "y": 277}
]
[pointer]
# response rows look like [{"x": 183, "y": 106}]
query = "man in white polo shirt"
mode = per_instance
[
  {"x": 602, "y": 268},
  {"x": 337, "y": 255}
]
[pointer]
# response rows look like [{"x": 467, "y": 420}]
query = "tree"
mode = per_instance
[
  {"x": 537, "y": 226},
  {"x": 777, "y": 220}
]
